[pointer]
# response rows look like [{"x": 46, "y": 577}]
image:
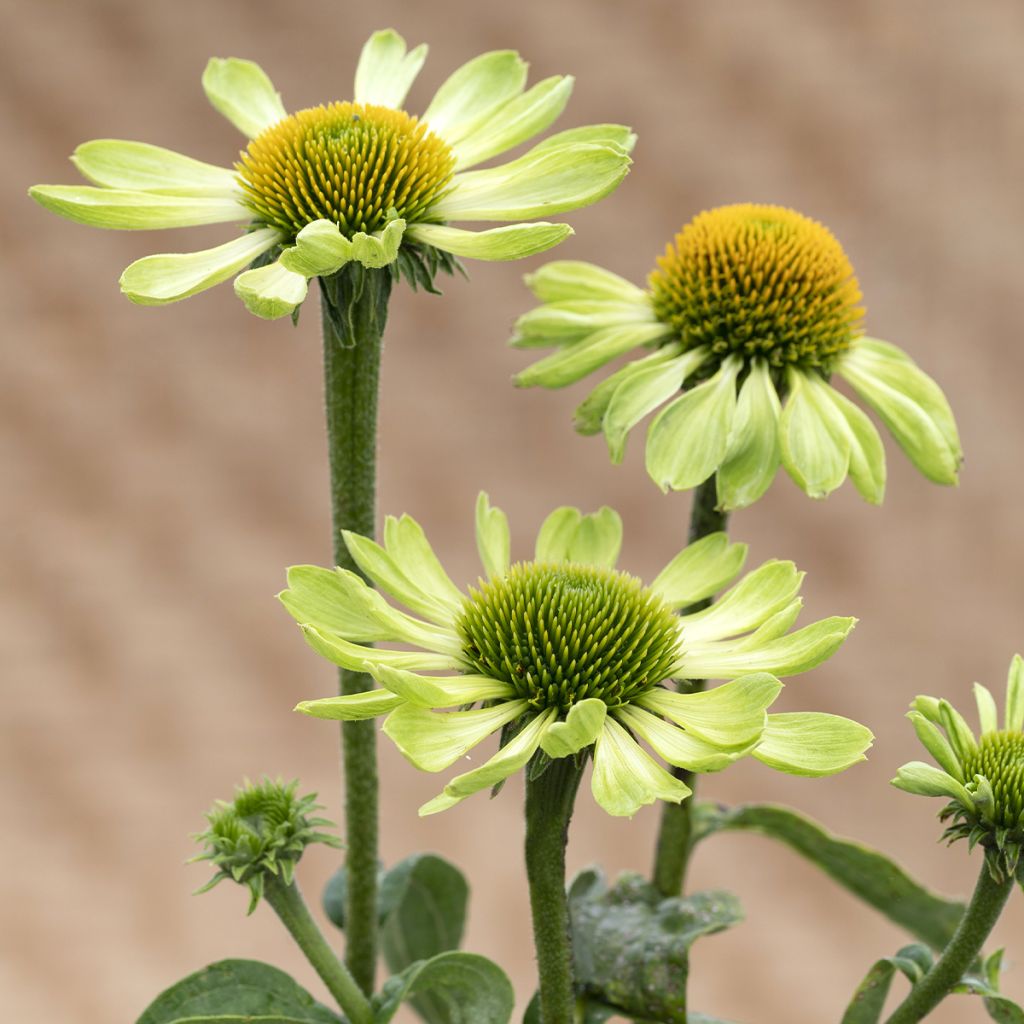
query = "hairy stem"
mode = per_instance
[
  {"x": 675, "y": 833},
  {"x": 289, "y": 905},
  {"x": 549, "y": 804},
  {"x": 354, "y": 305},
  {"x": 975, "y": 926}
]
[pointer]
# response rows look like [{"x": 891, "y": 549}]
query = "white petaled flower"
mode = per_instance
[
  {"x": 564, "y": 655},
  {"x": 748, "y": 315},
  {"x": 359, "y": 180}
]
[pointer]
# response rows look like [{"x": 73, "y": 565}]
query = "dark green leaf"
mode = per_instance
[
  {"x": 868, "y": 874},
  {"x": 230, "y": 989},
  {"x": 631, "y": 946},
  {"x": 469, "y": 988},
  {"x": 986, "y": 985},
  {"x": 869, "y": 999}
]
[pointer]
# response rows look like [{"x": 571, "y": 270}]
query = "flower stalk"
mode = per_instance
[
  {"x": 291, "y": 908},
  {"x": 549, "y": 804},
  {"x": 675, "y": 831},
  {"x": 354, "y": 305},
  {"x": 990, "y": 896}
]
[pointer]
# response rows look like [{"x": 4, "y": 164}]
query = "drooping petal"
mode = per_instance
[
  {"x": 407, "y": 544},
  {"x": 689, "y": 438},
  {"x": 439, "y": 691},
  {"x": 353, "y": 708},
  {"x": 625, "y": 778},
  {"x": 138, "y": 166},
  {"x": 787, "y": 656},
  {"x": 493, "y": 539},
  {"x": 812, "y": 744},
  {"x": 759, "y": 595},
  {"x": 867, "y": 454},
  {"x": 568, "y": 280},
  {"x": 936, "y": 744},
  {"x": 911, "y": 405},
  {"x": 320, "y": 249},
  {"x": 926, "y": 780},
  {"x": 700, "y": 570},
  {"x": 730, "y": 717},
  {"x": 677, "y": 746},
  {"x": 589, "y": 415},
  {"x": 434, "y": 740},
  {"x": 385, "y": 72},
  {"x": 507, "y": 761},
  {"x": 127, "y": 210},
  {"x": 988, "y": 713},
  {"x": 815, "y": 452},
  {"x": 753, "y": 454},
  {"x": 516, "y": 121},
  {"x": 574, "y": 361},
  {"x": 271, "y": 291},
  {"x": 242, "y": 91},
  {"x": 509, "y": 242},
  {"x": 474, "y": 92},
  {"x": 641, "y": 393},
  {"x": 168, "y": 277},
  {"x": 538, "y": 184},
  {"x": 1015, "y": 695},
  {"x": 379, "y": 249},
  {"x": 354, "y": 657},
  {"x": 582, "y": 726}
]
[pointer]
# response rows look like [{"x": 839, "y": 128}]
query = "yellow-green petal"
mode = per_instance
[
  {"x": 407, "y": 544},
  {"x": 812, "y": 744},
  {"x": 169, "y": 277},
  {"x": 570, "y": 280},
  {"x": 936, "y": 744},
  {"x": 353, "y": 708},
  {"x": 814, "y": 452},
  {"x": 988, "y": 713},
  {"x": 1015, "y": 695},
  {"x": 593, "y": 539},
  {"x": 700, "y": 570},
  {"x": 583, "y": 724},
  {"x": 271, "y": 291},
  {"x": 385, "y": 72},
  {"x": 320, "y": 249},
  {"x": 138, "y": 166},
  {"x": 926, "y": 780},
  {"x": 242, "y": 91},
  {"x": 677, "y": 746},
  {"x": 509, "y": 242},
  {"x": 438, "y": 691},
  {"x": 493, "y": 539},
  {"x": 339, "y": 651}
]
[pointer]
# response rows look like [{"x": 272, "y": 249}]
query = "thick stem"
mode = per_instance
[
  {"x": 354, "y": 310},
  {"x": 289, "y": 905},
  {"x": 549, "y": 803},
  {"x": 975, "y": 926},
  {"x": 675, "y": 833}
]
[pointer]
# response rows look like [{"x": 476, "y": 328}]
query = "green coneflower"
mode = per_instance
[
  {"x": 565, "y": 654},
  {"x": 359, "y": 180},
  {"x": 751, "y": 310},
  {"x": 982, "y": 776}
]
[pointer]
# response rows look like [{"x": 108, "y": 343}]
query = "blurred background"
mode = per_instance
[{"x": 162, "y": 467}]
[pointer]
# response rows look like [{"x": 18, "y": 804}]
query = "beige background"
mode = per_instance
[{"x": 162, "y": 467}]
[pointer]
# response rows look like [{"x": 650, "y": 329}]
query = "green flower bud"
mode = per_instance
[{"x": 264, "y": 830}]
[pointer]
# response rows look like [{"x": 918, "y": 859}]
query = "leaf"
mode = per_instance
[
  {"x": 236, "y": 990},
  {"x": 469, "y": 989},
  {"x": 631, "y": 946},
  {"x": 986, "y": 985},
  {"x": 866, "y": 873},
  {"x": 869, "y": 999}
]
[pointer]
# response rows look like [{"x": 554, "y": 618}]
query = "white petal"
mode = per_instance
[
  {"x": 385, "y": 72},
  {"x": 243, "y": 93},
  {"x": 156, "y": 280}
]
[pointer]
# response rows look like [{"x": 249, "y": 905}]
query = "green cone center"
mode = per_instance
[
  {"x": 560, "y": 633},
  {"x": 1000, "y": 758},
  {"x": 759, "y": 281},
  {"x": 353, "y": 164}
]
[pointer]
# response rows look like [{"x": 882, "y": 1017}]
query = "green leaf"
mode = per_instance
[
  {"x": 237, "y": 990},
  {"x": 631, "y": 946},
  {"x": 867, "y": 874},
  {"x": 986, "y": 985},
  {"x": 468, "y": 989},
  {"x": 869, "y": 999}
]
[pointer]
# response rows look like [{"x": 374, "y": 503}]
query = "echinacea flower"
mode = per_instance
[
  {"x": 359, "y": 180},
  {"x": 751, "y": 311},
  {"x": 564, "y": 653},
  {"x": 982, "y": 776}
]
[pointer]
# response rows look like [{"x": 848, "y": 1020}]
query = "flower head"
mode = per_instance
[
  {"x": 751, "y": 310},
  {"x": 352, "y": 181},
  {"x": 983, "y": 776},
  {"x": 565, "y": 654},
  {"x": 264, "y": 830}
]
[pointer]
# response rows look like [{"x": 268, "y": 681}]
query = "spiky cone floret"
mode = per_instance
[
  {"x": 748, "y": 316},
  {"x": 982, "y": 776},
  {"x": 263, "y": 831},
  {"x": 564, "y": 656},
  {"x": 352, "y": 181}
]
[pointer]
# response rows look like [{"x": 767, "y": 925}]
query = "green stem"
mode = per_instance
[
  {"x": 675, "y": 833},
  {"x": 354, "y": 305},
  {"x": 549, "y": 804},
  {"x": 978, "y": 921},
  {"x": 289, "y": 905}
]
